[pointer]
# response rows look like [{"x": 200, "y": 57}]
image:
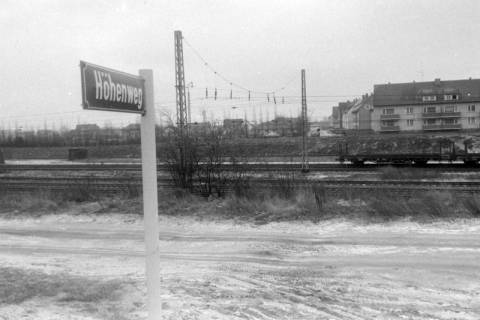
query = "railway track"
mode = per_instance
[
  {"x": 266, "y": 167},
  {"x": 112, "y": 185}
]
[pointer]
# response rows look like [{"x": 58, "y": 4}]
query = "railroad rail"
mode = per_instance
[
  {"x": 314, "y": 167},
  {"x": 116, "y": 185}
]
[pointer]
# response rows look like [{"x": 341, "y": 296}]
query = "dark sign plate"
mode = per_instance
[{"x": 111, "y": 90}]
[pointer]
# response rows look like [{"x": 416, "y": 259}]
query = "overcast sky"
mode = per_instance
[{"x": 345, "y": 46}]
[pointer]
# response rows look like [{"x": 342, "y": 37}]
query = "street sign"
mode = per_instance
[{"x": 111, "y": 90}]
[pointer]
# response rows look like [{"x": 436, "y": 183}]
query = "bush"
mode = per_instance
[
  {"x": 429, "y": 205},
  {"x": 19, "y": 285},
  {"x": 286, "y": 187},
  {"x": 197, "y": 163},
  {"x": 30, "y": 203},
  {"x": 472, "y": 205}
]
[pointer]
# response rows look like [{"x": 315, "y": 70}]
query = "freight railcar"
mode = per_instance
[{"x": 446, "y": 151}]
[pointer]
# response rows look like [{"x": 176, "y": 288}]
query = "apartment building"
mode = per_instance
[
  {"x": 360, "y": 114},
  {"x": 426, "y": 106},
  {"x": 354, "y": 115}
]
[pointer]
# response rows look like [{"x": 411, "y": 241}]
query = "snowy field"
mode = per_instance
[{"x": 92, "y": 267}]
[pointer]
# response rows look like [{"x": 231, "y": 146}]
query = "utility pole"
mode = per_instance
[
  {"x": 189, "y": 114},
  {"x": 189, "y": 110},
  {"x": 304, "y": 125},
  {"x": 182, "y": 119}
]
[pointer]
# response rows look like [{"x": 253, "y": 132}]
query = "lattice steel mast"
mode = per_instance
[{"x": 182, "y": 117}]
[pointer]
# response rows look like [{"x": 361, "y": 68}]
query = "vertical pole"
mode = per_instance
[
  {"x": 182, "y": 120},
  {"x": 180, "y": 81},
  {"x": 304, "y": 125},
  {"x": 150, "y": 199},
  {"x": 189, "y": 115}
]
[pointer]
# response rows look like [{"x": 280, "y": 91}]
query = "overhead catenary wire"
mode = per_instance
[{"x": 229, "y": 81}]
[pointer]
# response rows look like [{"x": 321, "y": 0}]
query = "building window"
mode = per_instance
[
  {"x": 429, "y": 109},
  {"x": 471, "y": 120},
  {"x": 410, "y": 122},
  {"x": 429, "y": 98},
  {"x": 430, "y": 122},
  {"x": 388, "y": 111},
  {"x": 410, "y": 110},
  {"x": 450, "y": 121},
  {"x": 471, "y": 108},
  {"x": 449, "y": 97},
  {"x": 388, "y": 123},
  {"x": 450, "y": 109}
]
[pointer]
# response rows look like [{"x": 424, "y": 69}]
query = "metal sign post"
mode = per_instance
[
  {"x": 111, "y": 90},
  {"x": 150, "y": 199}
]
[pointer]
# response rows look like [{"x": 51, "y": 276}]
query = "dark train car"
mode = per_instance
[{"x": 444, "y": 150}]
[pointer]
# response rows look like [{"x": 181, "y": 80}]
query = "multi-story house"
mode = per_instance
[
  {"x": 426, "y": 106},
  {"x": 346, "y": 118},
  {"x": 354, "y": 115},
  {"x": 335, "y": 118},
  {"x": 360, "y": 114}
]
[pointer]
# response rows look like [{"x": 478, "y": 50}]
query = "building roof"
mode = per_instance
[
  {"x": 411, "y": 93},
  {"x": 346, "y": 106},
  {"x": 366, "y": 100}
]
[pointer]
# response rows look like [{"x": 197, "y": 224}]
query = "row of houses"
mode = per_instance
[
  {"x": 415, "y": 106},
  {"x": 83, "y": 134}
]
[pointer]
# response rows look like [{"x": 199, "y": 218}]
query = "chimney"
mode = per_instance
[{"x": 437, "y": 81}]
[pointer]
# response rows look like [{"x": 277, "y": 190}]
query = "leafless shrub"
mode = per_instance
[
  {"x": 182, "y": 157},
  {"x": 320, "y": 195},
  {"x": 428, "y": 205},
  {"x": 286, "y": 185},
  {"x": 31, "y": 204},
  {"x": 19, "y": 285},
  {"x": 80, "y": 192},
  {"x": 438, "y": 205},
  {"x": 198, "y": 163},
  {"x": 472, "y": 205}
]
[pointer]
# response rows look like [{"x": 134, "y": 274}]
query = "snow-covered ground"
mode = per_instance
[{"x": 225, "y": 270}]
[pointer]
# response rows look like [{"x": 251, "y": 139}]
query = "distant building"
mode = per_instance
[
  {"x": 353, "y": 115},
  {"x": 46, "y": 134},
  {"x": 131, "y": 133},
  {"x": 200, "y": 128},
  {"x": 347, "y": 116},
  {"x": 345, "y": 119},
  {"x": 361, "y": 113},
  {"x": 335, "y": 118},
  {"x": 85, "y": 134},
  {"x": 426, "y": 106},
  {"x": 280, "y": 126},
  {"x": 234, "y": 127}
]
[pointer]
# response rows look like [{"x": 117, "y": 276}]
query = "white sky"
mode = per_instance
[{"x": 345, "y": 46}]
